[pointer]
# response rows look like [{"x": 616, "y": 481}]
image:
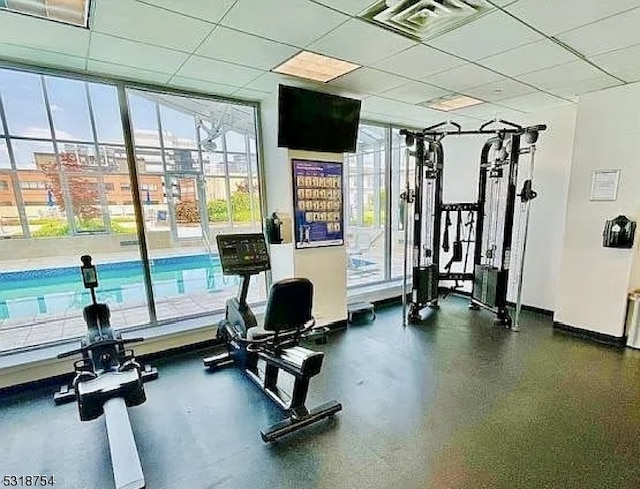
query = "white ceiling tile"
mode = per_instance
[
  {"x": 360, "y": 42},
  {"x": 211, "y": 11},
  {"x": 555, "y": 16},
  {"x": 199, "y": 68},
  {"x": 490, "y": 34},
  {"x": 351, "y": 7},
  {"x": 534, "y": 101},
  {"x": 495, "y": 91},
  {"x": 138, "y": 55},
  {"x": 42, "y": 57},
  {"x": 368, "y": 80},
  {"x": 585, "y": 86},
  {"x": 296, "y": 22},
  {"x": 128, "y": 72},
  {"x": 32, "y": 32},
  {"x": 465, "y": 76},
  {"x": 141, "y": 22},
  {"x": 617, "y": 32},
  {"x": 202, "y": 86},
  {"x": 379, "y": 105},
  {"x": 248, "y": 94},
  {"x": 418, "y": 62},
  {"x": 236, "y": 47},
  {"x": 561, "y": 75},
  {"x": 268, "y": 82},
  {"x": 414, "y": 92},
  {"x": 622, "y": 63},
  {"x": 530, "y": 57},
  {"x": 482, "y": 112}
]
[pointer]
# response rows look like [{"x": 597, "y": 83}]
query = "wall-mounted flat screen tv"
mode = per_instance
[{"x": 316, "y": 121}]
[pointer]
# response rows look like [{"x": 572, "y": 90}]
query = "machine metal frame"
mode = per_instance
[{"x": 492, "y": 215}]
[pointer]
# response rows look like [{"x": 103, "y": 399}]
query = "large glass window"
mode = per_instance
[
  {"x": 365, "y": 206},
  {"x": 66, "y": 190},
  {"x": 195, "y": 183}
]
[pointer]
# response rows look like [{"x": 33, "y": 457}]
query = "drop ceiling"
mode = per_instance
[{"x": 520, "y": 56}]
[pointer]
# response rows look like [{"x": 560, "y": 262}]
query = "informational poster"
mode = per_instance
[
  {"x": 317, "y": 197},
  {"x": 604, "y": 185}
]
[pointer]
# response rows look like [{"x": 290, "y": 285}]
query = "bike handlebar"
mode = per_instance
[{"x": 100, "y": 344}]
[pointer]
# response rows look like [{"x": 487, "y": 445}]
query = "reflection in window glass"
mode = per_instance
[
  {"x": 178, "y": 128},
  {"x": 365, "y": 205},
  {"x": 24, "y": 104},
  {"x": 32, "y": 155},
  {"x": 106, "y": 112},
  {"x": 69, "y": 109},
  {"x": 235, "y": 142},
  {"x": 144, "y": 120}
]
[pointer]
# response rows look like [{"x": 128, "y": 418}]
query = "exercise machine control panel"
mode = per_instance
[{"x": 243, "y": 254}]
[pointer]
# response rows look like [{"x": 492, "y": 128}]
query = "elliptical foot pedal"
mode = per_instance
[
  {"x": 218, "y": 361},
  {"x": 291, "y": 424},
  {"x": 64, "y": 395},
  {"x": 149, "y": 373}
]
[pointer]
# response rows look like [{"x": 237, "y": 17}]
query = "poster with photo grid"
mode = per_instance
[{"x": 317, "y": 200}]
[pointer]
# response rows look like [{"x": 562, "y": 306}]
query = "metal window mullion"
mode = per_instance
[
  {"x": 106, "y": 217},
  {"x": 226, "y": 177},
  {"x": 388, "y": 225},
  {"x": 168, "y": 183},
  {"x": 359, "y": 191},
  {"x": 64, "y": 184},
  {"x": 376, "y": 184},
  {"x": 204, "y": 214},
  {"x": 248, "y": 156},
  {"x": 262, "y": 182},
  {"x": 137, "y": 205},
  {"x": 17, "y": 191}
]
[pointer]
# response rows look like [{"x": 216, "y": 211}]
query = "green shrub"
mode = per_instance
[
  {"x": 52, "y": 228},
  {"x": 217, "y": 210}
]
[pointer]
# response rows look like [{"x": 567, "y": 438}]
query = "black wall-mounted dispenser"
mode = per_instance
[
  {"x": 619, "y": 233},
  {"x": 274, "y": 229}
]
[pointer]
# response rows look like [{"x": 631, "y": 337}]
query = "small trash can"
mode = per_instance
[{"x": 632, "y": 326}]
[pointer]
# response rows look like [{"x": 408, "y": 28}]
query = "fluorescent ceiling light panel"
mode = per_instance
[
  {"x": 74, "y": 12},
  {"x": 452, "y": 102},
  {"x": 315, "y": 67}
]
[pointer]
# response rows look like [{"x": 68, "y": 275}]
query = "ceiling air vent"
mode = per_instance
[{"x": 424, "y": 19}]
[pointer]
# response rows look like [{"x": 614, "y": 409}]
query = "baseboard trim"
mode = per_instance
[
  {"x": 604, "y": 339},
  {"x": 463, "y": 293}
]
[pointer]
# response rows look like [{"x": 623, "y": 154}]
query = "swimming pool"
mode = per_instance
[{"x": 58, "y": 290}]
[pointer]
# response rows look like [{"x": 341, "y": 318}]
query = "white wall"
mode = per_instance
[{"x": 595, "y": 280}]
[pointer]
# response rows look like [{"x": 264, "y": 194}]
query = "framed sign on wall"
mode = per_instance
[
  {"x": 604, "y": 185},
  {"x": 317, "y": 201}
]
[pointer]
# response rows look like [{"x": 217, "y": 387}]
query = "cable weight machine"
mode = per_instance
[{"x": 484, "y": 226}]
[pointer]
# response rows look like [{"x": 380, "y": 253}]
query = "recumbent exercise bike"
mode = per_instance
[
  {"x": 288, "y": 320},
  {"x": 108, "y": 379}
]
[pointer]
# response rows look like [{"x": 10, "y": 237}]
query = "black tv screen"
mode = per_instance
[{"x": 315, "y": 121}]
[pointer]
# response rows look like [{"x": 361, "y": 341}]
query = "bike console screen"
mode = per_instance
[{"x": 243, "y": 254}]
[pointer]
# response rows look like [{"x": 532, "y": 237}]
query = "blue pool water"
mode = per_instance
[{"x": 57, "y": 290}]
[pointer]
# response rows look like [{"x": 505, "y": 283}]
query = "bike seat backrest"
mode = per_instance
[
  {"x": 289, "y": 305},
  {"x": 95, "y": 314}
]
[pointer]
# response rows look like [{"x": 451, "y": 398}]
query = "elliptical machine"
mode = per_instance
[
  {"x": 262, "y": 352},
  {"x": 108, "y": 379}
]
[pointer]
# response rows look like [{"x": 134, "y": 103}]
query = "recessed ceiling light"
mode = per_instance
[
  {"x": 315, "y": 67},
  {"x": 74, "y": 12},
  {"x": 452, "y": 102}
]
